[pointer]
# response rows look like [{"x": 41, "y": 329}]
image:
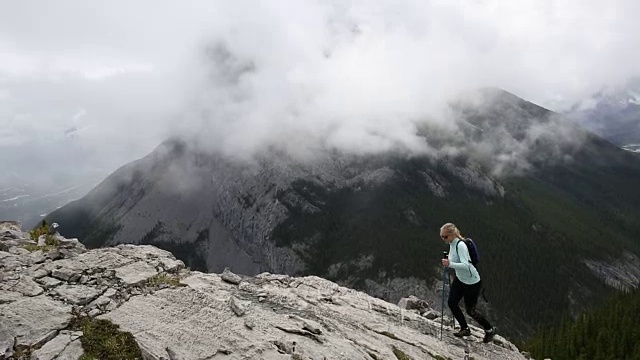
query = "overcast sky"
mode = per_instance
[{"x": 94, "y": 85}]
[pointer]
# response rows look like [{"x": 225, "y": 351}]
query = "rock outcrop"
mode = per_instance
[{"x": 174, "y": 313}]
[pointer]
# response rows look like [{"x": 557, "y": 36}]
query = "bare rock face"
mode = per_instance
[
  {"x": 43, "y": 288},
  {"x": 174, "y": 313}
]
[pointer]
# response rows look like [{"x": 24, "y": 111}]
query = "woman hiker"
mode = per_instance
[{"x": 466, "y": 283}]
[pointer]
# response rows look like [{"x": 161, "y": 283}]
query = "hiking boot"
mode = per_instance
[
  {"x": 462, "y": 332},
  {"x": 488, "y": 335}
]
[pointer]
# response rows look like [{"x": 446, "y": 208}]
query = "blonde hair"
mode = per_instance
[{"x": 450, "y": 228}]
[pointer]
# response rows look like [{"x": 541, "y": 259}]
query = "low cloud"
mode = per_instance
[{"x": 241, "y": 77}]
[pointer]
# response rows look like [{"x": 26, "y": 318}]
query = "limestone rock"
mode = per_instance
[
  {"x": 32, "y": 320},
  {"x": 73, "y": 351},
  {"x": 431, "y": 315},
  {"x": 162, "y": 321},
  {"x": 136, "y": 273},
  {"x": 230, "y": 277},
  {"x": 239, "y": 307},
  {"x": 66, "y": 269},
  {"x": 18, "y": 251},
  {"x": 413, "y": 302},
  {"x": 53, "y": 348},
  {"x": 171, "y": 265},
  {"x": 110, "y": 293},
  {"x": 269, "y": 316},
  {"x": 49, "y": 282},
  {"x": 77, "y": 294},
  {"x": 24, "y": 285},
  {"x": 37, "y": 274}
]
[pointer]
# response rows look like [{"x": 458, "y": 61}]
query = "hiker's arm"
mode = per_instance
[{"x": 463, "y": 253}]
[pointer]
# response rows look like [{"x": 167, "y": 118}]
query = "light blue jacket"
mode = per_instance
[{"x": 460, "y": 261}]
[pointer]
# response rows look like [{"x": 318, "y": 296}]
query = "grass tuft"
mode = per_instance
[
  {"x": 171, "y": 280},
  {"x": 102, "y": 339},
  {"x": 400, "y": 354}
]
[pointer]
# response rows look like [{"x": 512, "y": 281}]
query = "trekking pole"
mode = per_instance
[
  {"x": 453, "y": 318},
  {"x": 444, "y": 271}
]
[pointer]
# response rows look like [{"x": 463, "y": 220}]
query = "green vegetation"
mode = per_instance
[
  {"x": 609, "y": 332},
  {"x": 44, "y": 248},
  {"x": 104, "y": 340},
  {"x": 389, "y": 335},
  {"x": 400, "y": 354},
  {"x": 22, "y": 353},
  {"x": 168, "y": 279},
  {"x": 50, "y": 242},
  {"x": 532, "y": 240},
  {"x": 43, "y": 229},
  {"x": 439, "y": 357}
]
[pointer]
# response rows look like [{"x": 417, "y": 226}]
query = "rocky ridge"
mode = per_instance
[{"x": 174, "y": 313}]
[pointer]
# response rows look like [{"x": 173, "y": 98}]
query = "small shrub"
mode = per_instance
[
  {"x": 43, "y": 229},
  {"x": 50, "y": 241}
]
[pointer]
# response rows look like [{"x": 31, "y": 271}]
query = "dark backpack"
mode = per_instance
[{"x": 473, "y": 251}]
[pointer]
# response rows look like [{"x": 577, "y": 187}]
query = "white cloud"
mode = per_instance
[{"x": 355, "y": 76}]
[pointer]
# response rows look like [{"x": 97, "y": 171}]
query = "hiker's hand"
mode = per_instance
[{"x": 445, "y": 262}]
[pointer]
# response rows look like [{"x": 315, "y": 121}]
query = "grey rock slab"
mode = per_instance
[
  {"x": 238, "y": 306},
  {"x": 73, "y": 351},
  {"x": 413, "y": 302},
  {"x": 40, "y": 273},
  {"x": 49, "y": 282},
  {"x": 112, "y": 305},
  {"x": 32, "y": 319},
  {"x": 71, "y": 244},
  {"x": 170, "y": 265},
  {"x": 77, "y": 294},
  {"x": 54, "y": 255},
  {"x": 9, "y": 296},
  {"x": 201, "y": 314},
  {"x": 10, "y": 261},
  {"x": 143, "y": 252},
  {"x": 431, "y": 315},
  {"x": 18, "y": 251},
  {"x": 66, "y": 269},
  {"x": 24, "y": 285},
  {"x": 36, "y": 257},
  {"x": 53, "y": 348},
  {"x": 196, "y": 322},
  {"x": 6, "y": 346},
  {"x": 110, "y": 293},
  {"x": 230, "y": 277},
  {"x": 11, "y": 225},
  {"x": 102, "y": 300},
  {"x": 4, "y": 254},
  {"x": 136, "y": 273}
]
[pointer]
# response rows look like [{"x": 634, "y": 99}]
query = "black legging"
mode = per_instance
[{"x": 470, "y": 293}]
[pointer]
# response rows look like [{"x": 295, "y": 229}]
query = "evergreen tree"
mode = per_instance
[{"x": 609, "y": 332}]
